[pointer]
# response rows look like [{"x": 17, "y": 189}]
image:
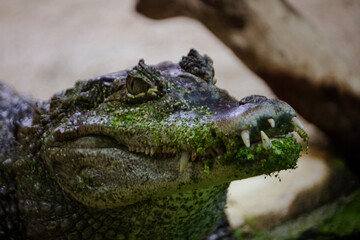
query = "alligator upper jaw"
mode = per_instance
[{"x": 252, "y": 121}]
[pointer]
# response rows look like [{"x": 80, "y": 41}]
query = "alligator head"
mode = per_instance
[{"x": 151, "y": 132}]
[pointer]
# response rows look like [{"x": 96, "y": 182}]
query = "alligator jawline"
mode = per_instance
[{"x": 164, "y": 153}]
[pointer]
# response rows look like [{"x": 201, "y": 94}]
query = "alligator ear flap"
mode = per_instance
[{"x": 200, "y": 66}]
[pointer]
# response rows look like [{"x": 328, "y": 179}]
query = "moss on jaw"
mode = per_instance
[
  {"x": 192, "y": 129},
  {"x": 282, "y": 155}
]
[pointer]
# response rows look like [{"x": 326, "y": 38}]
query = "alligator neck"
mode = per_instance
[
  {"x": 51, "y": 213},
  {"x": 187, "y": 215}
]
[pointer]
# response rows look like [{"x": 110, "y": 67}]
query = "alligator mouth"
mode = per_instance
[
  {"x": 245, "y": 139},
  {"x": 185, "y": 156}
]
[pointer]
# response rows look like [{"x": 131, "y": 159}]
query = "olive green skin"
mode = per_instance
[{"x": 73, "y": 168}]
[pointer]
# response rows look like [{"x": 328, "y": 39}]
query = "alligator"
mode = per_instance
[{"x": 144, "y": 153}]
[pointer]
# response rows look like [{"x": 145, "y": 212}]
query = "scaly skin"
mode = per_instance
[{"x": 145, "y": 153}]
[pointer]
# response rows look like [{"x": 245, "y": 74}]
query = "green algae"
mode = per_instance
[
  {"x": 158, "y": 125},
  {"x": 282, "y": 155},
  {"x": 346, "y": 219}
]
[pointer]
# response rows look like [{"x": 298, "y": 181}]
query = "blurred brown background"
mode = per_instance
[{"x": 45, "y": 46}]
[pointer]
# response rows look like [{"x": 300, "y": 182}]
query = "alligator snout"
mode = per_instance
[{"x": 258, "y": 117}]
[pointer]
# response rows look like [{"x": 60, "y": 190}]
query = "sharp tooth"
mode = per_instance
[
  {"x": 137, "y": 149},
  {"x": 184, "y": 159},
  {"x": 296, "y": 123},
  {"x": 246, "y": 137},
  {"x": 129, "y": 148},
  {"x": 152, "y": 151},
  {"x": 271, "y": 122},
  {"x": 147, "y": 150},
  {"x": 266, "y": 143}
]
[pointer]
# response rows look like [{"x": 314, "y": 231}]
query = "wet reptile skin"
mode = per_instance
[{"x": 145, "y": 153}]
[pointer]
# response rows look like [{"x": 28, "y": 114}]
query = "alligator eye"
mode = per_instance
[{"x": 136, "y": 85}]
